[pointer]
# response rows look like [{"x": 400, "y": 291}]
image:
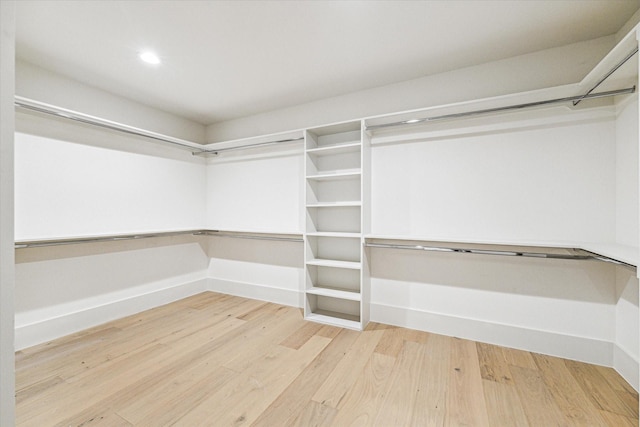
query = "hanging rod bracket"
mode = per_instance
[{"x": 606, "y": 76}]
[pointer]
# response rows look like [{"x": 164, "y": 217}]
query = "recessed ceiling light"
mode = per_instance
[{"x": 149, "y": 57}]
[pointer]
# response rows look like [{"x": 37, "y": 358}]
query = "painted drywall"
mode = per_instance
[
  {"x": 258, "y": 190},
  {"x": 7, "y": 357},
  {"x": 64, "y": 289},
  {"x": 65, "y": 188},
  {"x": 544, "y": 176},
  {"x": 259, "y": 269},
  {"x": 544, "y": 69},
  {"x": 52, "y": 88},
  {"x": 627, "y": 191},
  {"x": 507, "y": 301},
  {"x": 627, "y": 325}
]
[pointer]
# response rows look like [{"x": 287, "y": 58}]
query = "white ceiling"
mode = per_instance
[{"x": 230, "y": 59}]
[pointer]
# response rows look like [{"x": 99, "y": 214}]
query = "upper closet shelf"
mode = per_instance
[
  {"x": 329, "y": 176},
  {"x": 330, "y": 150},
  {"x": 41, "y": 107}
]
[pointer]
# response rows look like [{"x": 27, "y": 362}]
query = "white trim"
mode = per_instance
[
  {"x": 292, "y": 298},
  {"x": 626, "y": 365},
  {"x": 583, "y": 349},
  {"x": 40, "y": 326}
]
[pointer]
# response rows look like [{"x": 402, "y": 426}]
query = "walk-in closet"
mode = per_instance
[{"x": 458, "y": 247}]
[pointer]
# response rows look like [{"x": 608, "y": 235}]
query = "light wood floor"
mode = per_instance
[{"x": 219, "y": 360}]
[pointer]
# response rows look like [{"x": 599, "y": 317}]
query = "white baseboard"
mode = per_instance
[
  {"x": 39, "y": 326},
  {"x": 282, "y": 296},
  {"x": 566, "y": 346},
  {"x": 627, "y": 366}
]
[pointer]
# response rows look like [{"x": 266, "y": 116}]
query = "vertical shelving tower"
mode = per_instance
[{"x": 333, "y": 232}]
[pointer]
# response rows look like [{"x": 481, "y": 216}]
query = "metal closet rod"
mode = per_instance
[
  {"x": 505, "y": 108},
  {"x": 139, "y": 236},
  {"x": 215, "y": 152},
  {"x": 29, "y": 104},
  {"x": 248, "y": 236},
  {"x": 589, "y": 256}
]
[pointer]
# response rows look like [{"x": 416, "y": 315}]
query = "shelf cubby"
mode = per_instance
[
  {"x": 334, "y": 248},
  {"x": 345, "y": 190},
  {"x": 339, "y": 312},
  {"x": 339, "y": 219}
]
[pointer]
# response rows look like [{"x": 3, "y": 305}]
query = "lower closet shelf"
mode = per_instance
[
  {"x": 334, "y": 263},
  {"x": 340, "y": 320},
  {"x": 334, "y": 293}
]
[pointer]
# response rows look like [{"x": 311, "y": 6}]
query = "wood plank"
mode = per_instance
[
  {"x": 566, "y": 392},
  {"x": 520, "y": 358},
  {"x": 314, "y": 415},
  {"x": 615, "y": 420},
  {"x": 433, "y": 382},
  {"x": 616, "y": 381},
  {"x": 503, "y": 404},
  {"x": 402, "y": 386},
  {"x": 142, "y": 368},
  {"x": 246, "y": 396},
  {"x": 537, "y": 401},
  {"x": 493, "y": 364},
  {"x": 597, "y": 388},
  {"x": 170, "y": 366},
  {"x": 332, "y": 391},
  {"x": 361, "y": 404},
  {"x": 295, "y": 398},
  {"x": 301, "y": 335},
  {"x": 391, "y": 342},
  {"x": 465, "y": 400},
  {"x": 171, "y": 400}
]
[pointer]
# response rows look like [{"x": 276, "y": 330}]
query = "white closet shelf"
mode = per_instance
[
  {"x": 330, "y": 150},
  {"x": 347, "y": 204},
  {"x": 625, "y": 253},
  {"x": 352, "y": 265},
  {"x": 334, "y": 293},
  {"x": 340, "y": 320},
  {"x": 334, "y": 234},
  {"x": 329, "y": 176}
]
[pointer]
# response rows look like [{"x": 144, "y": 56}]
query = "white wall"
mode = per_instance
[
  {"x": 256, "y": 190},
  {"x": 74, "y": 180},
  {"x": 74, "y": 184},
  {"x": 53, "y": 88},
  {"x": 7, "y": 369},
  {"x": 261, "y": 269},
  {"x": 627, "y": 326},
  {"x": 544, "y": 69},
  {"x": 64, "y": 289},
  {"x": 547, "y": 175},
  {"x": 542, "y": 176},
  {"x": 627, "y": 191},
  {"x": 565, "y": 308}
]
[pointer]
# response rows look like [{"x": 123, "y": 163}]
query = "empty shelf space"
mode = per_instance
[
  {"x": 340, "y": 320},
  {"x": 334, "y": 263},
  {"x": 334, "y": 293}
]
